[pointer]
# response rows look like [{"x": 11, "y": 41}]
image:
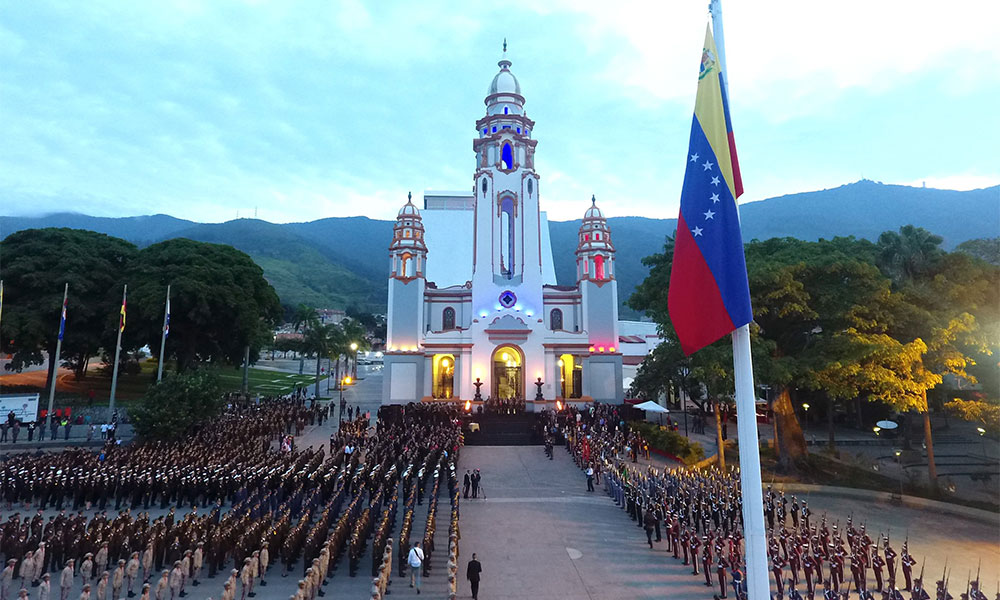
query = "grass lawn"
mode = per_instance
[
  {"x": 75, "y": 392},
  {"x": 267, "y": 382}
]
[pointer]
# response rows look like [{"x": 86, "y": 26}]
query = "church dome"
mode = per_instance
[
  {"x": 409, "y": 209},
  {"x": 505, "y": 82},
  {"x": 595, "y": 235},
  {"x": 593, "y": 212}
]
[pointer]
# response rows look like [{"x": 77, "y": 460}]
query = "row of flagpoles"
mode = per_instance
[{"x": 118, "y": 343}]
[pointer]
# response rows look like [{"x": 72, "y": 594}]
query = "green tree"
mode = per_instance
[
  {"x": 354, "y": 333},
  {"x": 804, "y": 294},
  {"x": 985, "y": 249},
  {"x": 908, "y": 254},
  {"x": 985, "y": 412},
  {"x": 304, "y": 316},
  {"x": 36, "y": 265},
  {"x": 178, "y": 404},
  {"x": 220, "y": 302},
  {"x": 936, "y": 310},
  {"x": 325, "y": 341}
]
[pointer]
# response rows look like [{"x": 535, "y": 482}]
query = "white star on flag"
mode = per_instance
[
  {"x": 694, "y": 157},
  {"x": 714, "y": 198},
  {"x": 715, "y": 181},
  {"x": 696, "y": 231},
  {"x": 708, "y": 165},
  {"x": 709, "y": 214}
]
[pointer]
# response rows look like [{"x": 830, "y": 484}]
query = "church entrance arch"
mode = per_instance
[{"x": 508, "y": 368}]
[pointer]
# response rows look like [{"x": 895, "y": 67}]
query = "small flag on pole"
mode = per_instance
[
  {"x": 166, "y": 320},
  {"x": 709, "y": 294},
  {"x": 62, "y": 320},
  {"x": 121, "y": 323}
]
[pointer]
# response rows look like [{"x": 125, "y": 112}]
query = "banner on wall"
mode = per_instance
[{"x": 24, "y": 407}]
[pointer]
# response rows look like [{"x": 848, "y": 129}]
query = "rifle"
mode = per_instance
[
  {"x": 977, "y": 571},
  {"x": 920, "y": 578},
  {"x": 968, "y": 582}
]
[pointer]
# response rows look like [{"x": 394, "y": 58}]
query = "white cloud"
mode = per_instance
[
  {"x": 805, "y": 51},
  {"x": 966, "y": 181},
  {"x": 319, "y": 108}
]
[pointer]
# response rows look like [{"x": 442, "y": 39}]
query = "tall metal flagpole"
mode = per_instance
[
  {"x": 758, "y": 585},
  {"x": 163, "y": 337},
  {"x": 118, "y": 350},
  {"x": 55, "y": 365}
]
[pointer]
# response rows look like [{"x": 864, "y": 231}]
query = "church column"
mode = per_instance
[{"x": 428, "y": 376}]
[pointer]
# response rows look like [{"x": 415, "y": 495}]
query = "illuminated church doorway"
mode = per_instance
[{"x": 508, "y": 381}]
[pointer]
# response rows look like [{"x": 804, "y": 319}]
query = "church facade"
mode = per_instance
[{"x": 474, "y": 311}]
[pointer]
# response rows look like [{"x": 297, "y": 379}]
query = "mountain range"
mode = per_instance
[{"x": 339, "y": 262}]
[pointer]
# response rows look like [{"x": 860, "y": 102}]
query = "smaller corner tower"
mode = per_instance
[
  {"x": 408, "y": 256},
  {"x": 595, "y": 275}
]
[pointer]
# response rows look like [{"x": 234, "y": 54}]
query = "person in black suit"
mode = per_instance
[
  {"x": 472, "y": 574},
  {"x": 475, "y": 483},
  {"x": 468, "y": 482}
]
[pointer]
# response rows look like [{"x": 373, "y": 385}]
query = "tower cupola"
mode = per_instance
[
  {"x": 594, "y": 251},
  {"x": 408, "y": 250},
  {"x": 504, "y": 96}
]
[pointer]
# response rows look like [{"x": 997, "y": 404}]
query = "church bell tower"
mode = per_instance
[{"x": 508, "y": 252}]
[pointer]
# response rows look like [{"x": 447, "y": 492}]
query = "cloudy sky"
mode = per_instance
[{"x": 306, "y": 110}]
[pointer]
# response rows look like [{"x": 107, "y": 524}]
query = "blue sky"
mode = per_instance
[{"x": 307, "y": 110}]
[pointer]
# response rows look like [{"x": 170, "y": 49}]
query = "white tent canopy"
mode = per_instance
[{"x": 651, "y": 406}]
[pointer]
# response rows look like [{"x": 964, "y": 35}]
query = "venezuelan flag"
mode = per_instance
[
  {"x": 709, "y": 295},
  {"x": 121, "y": 322}
]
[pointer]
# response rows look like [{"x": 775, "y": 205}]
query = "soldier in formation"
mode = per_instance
[
  {"x": 702, "y": 514},
  {"x": 304, "y": 503}
]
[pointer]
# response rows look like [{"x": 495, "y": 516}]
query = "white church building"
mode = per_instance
[{"x": 473, "y": 301}]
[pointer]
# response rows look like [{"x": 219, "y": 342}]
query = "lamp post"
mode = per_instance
[
  {"x": 805, "y": 407},
  {"x": 899, "y": 462},
  {"x": 343, "y": 406},
  {"x": 982, "y": 438},
  {"x": 354, "y": 354}
]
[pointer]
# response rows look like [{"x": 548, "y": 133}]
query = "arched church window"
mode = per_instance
[
  {"x": 531, "y": 186},
  {"x": 407, "y": 266},
  {"x": 599, "y": 267},
  {"x": 556, "y": 320},
  {"x": 597, "y": 236},
  {"x": 484, "y": 186},
  {"x": 507, "y": 156},
  {"x": 507, "y": 237},
  {"x": 406, "y": 233},
  {"x": 505, "y": 111},
  {"x": 448, "y": 319}
]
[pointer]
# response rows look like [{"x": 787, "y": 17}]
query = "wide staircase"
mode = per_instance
[{"x": 520, "y": 429}]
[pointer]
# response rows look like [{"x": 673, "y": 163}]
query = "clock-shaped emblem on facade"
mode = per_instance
[{"x": 508, "y": 299}]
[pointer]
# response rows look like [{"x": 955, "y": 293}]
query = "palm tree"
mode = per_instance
[
  {"x": 303, "y": 318},
  {"x": 324, "y": 341},
  {"x": 355, "y": 333},
  {"x": 907, "y": 254}
]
